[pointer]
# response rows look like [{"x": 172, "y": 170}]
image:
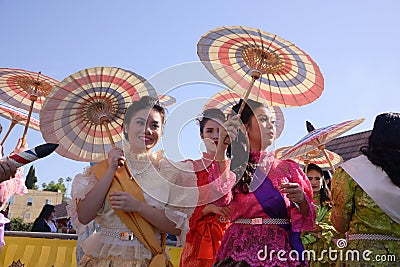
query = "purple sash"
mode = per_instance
[{"x": 274, "y": 205}]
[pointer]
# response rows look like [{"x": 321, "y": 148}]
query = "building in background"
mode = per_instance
[{"x": 29, "y": 206}]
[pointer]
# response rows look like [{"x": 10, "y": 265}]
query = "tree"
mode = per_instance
[
  {"x": 31, "y": 179},
  {"x": 17, "y": 224},
  {"x": 54, "y": 187}
]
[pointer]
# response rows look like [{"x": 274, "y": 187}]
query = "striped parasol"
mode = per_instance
[
  {"x": 166, "y": 100},
  {"x": 16, "y": 115},
  {"x": 226, "y": 99},
  {"x": 314, "y": 156},
  {"x": 25, "y": 90},
  {"x": 318, "y": 138},
  {"x": 84, "y": 113},
  {"x": 257, "y": 64},
  {"x": 33, "y": 154}
]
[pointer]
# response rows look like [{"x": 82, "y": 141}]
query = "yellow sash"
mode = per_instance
[{"x": 139, "y": 226}]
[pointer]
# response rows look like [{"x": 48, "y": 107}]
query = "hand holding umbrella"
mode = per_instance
[{"x": 239, "y": 56}]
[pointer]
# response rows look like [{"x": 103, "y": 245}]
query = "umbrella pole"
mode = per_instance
[
  {"x": 306, "y": 167},
  {"x": 322, "y": 148},
  {"x": 105, "y": 121},
  {"x": 13, "y": 122},
  {"x": 255, "y": 75},
  {"x": 33, "y": 99}
]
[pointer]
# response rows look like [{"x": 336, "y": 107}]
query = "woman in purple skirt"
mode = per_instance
[{"x": 271, "y": 202}]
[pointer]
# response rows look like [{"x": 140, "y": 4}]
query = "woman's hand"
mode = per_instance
[
  {"x": 293, "y": 192},
  {"x": 223, "y": 211},
  {"x": 230, "y": 128},
  {"x": 114, "y": 156},
  {"x": 21, "y": 146},
  {"x": 124, "y": 201}
]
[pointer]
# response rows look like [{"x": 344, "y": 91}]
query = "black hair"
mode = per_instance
[
  {"x": 145, "y": 102},
  {"x": 324, "y": 192},
  {"x": 46, "y": 211},
  {"x": 383, "y": 148},
  {"x": 210, "y": 114},
  {"x": 243, "y": 165}
]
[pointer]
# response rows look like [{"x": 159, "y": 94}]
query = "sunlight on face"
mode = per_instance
[
  {"x": 210, "y": 135},
  {"x": 261, "y": 129},
  {"x": 144, "y": 130}
]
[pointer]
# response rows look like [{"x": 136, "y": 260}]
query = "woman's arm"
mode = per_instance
[
  {"x": 88, "y": 207},
  {"x": 124, "y": 201}
]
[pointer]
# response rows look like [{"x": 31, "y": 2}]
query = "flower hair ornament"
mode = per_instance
[{"x": 199, "y": 118}]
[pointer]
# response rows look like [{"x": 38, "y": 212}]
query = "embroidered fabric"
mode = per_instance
[
  {"x": 243, "y": 242},
  {"x": 13, "y": 186},
  {"x": 160, "y": 184}
]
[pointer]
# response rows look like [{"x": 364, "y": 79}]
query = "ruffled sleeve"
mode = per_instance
[
  {"x": 81, "y": 186},
  {"x": 301, "y": 222},
  {"x": 13, "y": 186},
  {"x": 183, "y": 193},
  {"x": 220, "y": 184}
]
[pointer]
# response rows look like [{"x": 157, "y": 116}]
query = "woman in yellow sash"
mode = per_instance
[{"x": 135, "y": 208}]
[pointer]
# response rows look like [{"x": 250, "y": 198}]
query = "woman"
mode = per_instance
[
  {"x": 211, "y": 217},
  {"x": 323, "y": 234},
  {"x": 45, "y": 222},
  {"x": 271, "y": 202},
  {"x": 135, "y": 209},
  {"x": 366, "y": 193}
]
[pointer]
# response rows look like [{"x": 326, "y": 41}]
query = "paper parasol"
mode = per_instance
[
  {"x": 33, "y": 154},
  {"x": 166, "y": 100},
  {"x": 16, "y": 115},
  {"x": 314, "y": 156},
  {"x": 25, "y": 90},
  {"x": 84, "y": 113},
  {"x": 239, "y": 56},
  {"x": 226, "y": 99},
  {"x": 318, "y": 138}
]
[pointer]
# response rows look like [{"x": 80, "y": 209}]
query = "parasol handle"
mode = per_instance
[
  {"x": 33, "y": 99},
  {"x": 306, "y": 162},
  {"x": 322, "y": 148},
  {"x": 120, "y": 162},
  {"x": 255, "y": 75},
  {"x": 13, "y": 122}
]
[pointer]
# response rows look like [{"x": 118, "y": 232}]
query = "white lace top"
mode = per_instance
[{"x": 167, "y": 186}]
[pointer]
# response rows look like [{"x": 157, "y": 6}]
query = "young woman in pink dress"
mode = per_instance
[{"x": 271, "y": 202}]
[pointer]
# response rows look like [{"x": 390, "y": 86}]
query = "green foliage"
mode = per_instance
[
  {"x": 31, "y": 179},
  {"x": 17, "y": 224},
  {"x": 54, "y": 187}
]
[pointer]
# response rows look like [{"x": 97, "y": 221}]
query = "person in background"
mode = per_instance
[
  {"x": 323, "y": 235},
  {"x": 366, "y": 194},
  {"x": 211, "y": 217},
  {"x": 12, "y": 179},
  {"x": 46, "y": 220},
  {"x": 271, "y": 201}
]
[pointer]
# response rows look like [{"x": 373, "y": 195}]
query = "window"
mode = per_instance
[
  {"x": 29, "y": 201},
  {"x": 48, "y": 201},
  {"x": 27, "y": 215},
  {"x": 11, "y": 200}
]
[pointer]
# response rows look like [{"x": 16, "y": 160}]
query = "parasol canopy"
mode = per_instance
[
  {"x": 226, "y": 99},
  {"x": 25, "y": 90},
  {"x": 16, "y": 115},
  {"x": 84, "y": 113},
  {"x": 257, "y": 64},
  {"x": 319, "y": 137},
  {"x": 166, "y": 100},
  {"x": 314, "y": 156}
]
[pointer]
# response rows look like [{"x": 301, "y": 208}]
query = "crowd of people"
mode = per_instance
[{"x": 236, "y": 206}]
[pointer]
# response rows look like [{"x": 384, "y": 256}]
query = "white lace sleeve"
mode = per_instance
[
  {"x": 183, "y": 193},
  {"x": 81, "y": 185}
]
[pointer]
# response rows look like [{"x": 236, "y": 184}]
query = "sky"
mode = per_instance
[{"x": 355, "y": 44}]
